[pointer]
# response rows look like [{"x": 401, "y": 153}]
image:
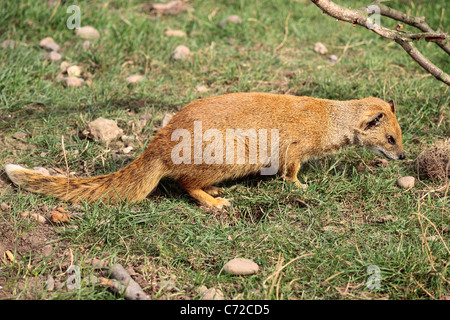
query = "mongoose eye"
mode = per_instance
[{"x": 390, "y": 140}]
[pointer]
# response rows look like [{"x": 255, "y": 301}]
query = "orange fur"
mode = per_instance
[{"x": 308, "y": 128}]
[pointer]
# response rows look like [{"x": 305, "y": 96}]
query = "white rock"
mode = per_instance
[
  {"x": 134, "y": 78},
  {"x": 64, "y": 65},
  {"x": 201, "y": 88},
  {"x": 86, "y": 44},
  {"x": 46, "y": 41},
  {"x": 333, "y": 58},
  {"x": 319, "y": 47},
  {"x": 210, "y": 294},
  {"x": 181, "y": 52},
  {"x": 8, "y": 44},
  {"x": 175, "y": 33},
  {"x": 88, "y": 33},
  {"x": 74, "y": 71},
  {"x": 53, "y": 56},
  {"x": 230, "y": 19},
  {"x": 241, "y": 266},
  {"x": 51, "y": 46},
  {"x": 103, "y": 130},
  {"x": 73, "y": 81},
  {"x": 127, "y": 149},
  {"x": 406, "y": 182}
]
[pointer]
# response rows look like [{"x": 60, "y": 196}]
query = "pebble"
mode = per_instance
[
  {"x": 127, "y": 149},
  {"x": 406, "y": 182},
  {"x": 319, "y": 47},
  {"x": 64, "y": 65},
  {"x": 8, "y": 44},
  {"x": 230, "y": 19},
  {"x": 73, "y": 81},
  {"x": 134, "y": 78},
  {"x": 333, "y": 58},
  {"x": 210, "y": 294},
  {"x": 74, "y": 71},
  {"x": 87, "y": 32},
  {"x": 53, "y": 56},
  {"x": 241, "y": 266},
  {"x": 201, "y": 88},
  {"x": 175, "y": 33},
  {"x": 181, "y": 52},
  {"x": 4, "y": 206},
  {"x": 103, "y": 130}
]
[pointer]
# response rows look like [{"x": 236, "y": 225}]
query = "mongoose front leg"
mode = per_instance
[{"x": 207, "y": 200}]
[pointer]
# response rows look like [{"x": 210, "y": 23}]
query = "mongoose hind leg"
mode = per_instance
[
  {"x": 213, "y": 191},
  {"x": 207, "y": 200},
  {"x": 291, "y": 174}
]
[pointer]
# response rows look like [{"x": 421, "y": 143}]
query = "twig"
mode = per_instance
[
  {"x": 404, "y": 39},
  {"x": 286, "y": 31}
]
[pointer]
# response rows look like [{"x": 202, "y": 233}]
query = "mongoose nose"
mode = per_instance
[{"x": 401, "y": 156}]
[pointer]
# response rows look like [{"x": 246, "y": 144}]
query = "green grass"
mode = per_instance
[{"x": 352, "y": 215}]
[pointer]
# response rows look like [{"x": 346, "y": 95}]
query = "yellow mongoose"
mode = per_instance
[{"x": 273, "y": 129}]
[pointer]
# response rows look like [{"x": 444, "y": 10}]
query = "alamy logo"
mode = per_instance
[
  {"x": 74, "y": 21},
  {"x": 374, "y": 281},
  {"x": 189, "y": 151}
]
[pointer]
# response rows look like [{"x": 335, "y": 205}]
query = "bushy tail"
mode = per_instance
[{"x": 132, "y": 183}]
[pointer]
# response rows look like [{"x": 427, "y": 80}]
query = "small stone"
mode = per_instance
[
  {"x": 320, "y": 48},
  {"x": 103, "y": 130},
  {"x": 74, "y": 71},
  {"x": 134, "y": 78},
  {"x": 201, "y": 88},
  {"x": 175, "y": 33},
  {"x": 241, "y": 266},
  {"x": 52, "y": 46},
  {"x": 50, "y": 283},
  {"x": 8, "y": 44},
  {"x": 4, "y": 206},
  {"x": 46, "y": 41},
  {"x": 88, "y": 33},
  {"x": 230, "y": 19},
  {"x": 128, "y": 140},
  {"x": 181, "y": 52},
  {"x": 333, "y": 58},
  {"x": 53, "y": 56},
  {"x": 86, "y": 45},
  {"x": 210, "y": 294},
  {"x": 37, "y": 217},
  {"x": 19, "y": 135},
  {"x": 406, "y": 182},
  {"x": 73, "y": 81},
  {"x": 64, "y": 65},
  {"x": 127, "y": 149},
  {"x": 172, "y": 7}
]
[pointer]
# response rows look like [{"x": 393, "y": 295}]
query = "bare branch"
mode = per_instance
[
  {"x": 417, "y": 22},
  {"x": 404, "y": 39}
]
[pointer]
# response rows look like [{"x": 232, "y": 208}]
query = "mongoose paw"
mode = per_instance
[
  {"x": 221, "y": 202},
  {"x": 301, "y": 185}
]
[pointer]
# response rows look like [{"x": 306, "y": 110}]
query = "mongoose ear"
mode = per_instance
[
  {"x": 392, "y": 104},
  {"x": 372, "y": 120}
]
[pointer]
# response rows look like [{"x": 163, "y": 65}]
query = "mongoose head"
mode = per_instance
[{"x": 379, "y": 130}]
